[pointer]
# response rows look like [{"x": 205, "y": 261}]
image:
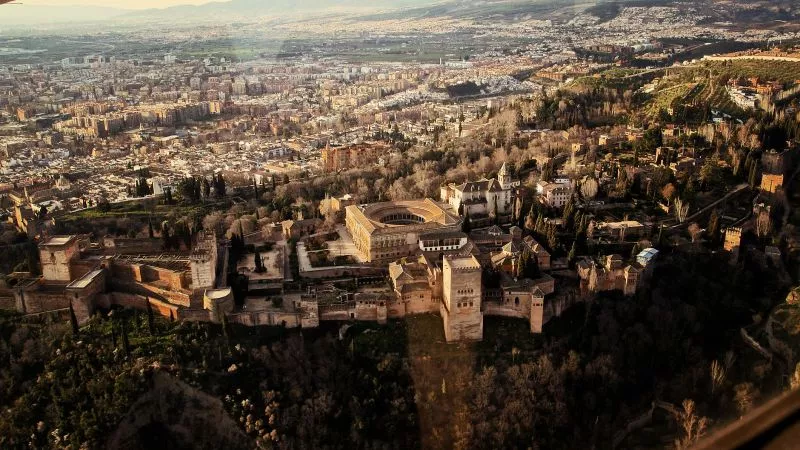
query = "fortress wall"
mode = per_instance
[
  {"x": 81, "y": 267},
  {"x": 128, "y": 300},
  {"x": 420, "y": 302},
  {"x": 36, "y": 302},
  {"x": 495, "y": 309},
  {"x": 396, "y": 310},
  {"x": 266, "y": 318},
  {"x": 366, "y": 311},
  {"x": 174, "y": 279},
  {"x": 148, "y": 290}
]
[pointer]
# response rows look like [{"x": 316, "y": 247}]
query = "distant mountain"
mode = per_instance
[
  {"x": 234, "y": 10},
  {"x": 251, "y": 8},
  {"x": 15, "y": 15},
  {"x": 63, "y": 13}
]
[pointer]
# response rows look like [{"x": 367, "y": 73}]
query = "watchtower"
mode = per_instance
[
  {"x": 461, "y": 300},
  {"x": 56, "y": 255},
  {"x": 537, "y": 310},
  {"x": 203, "y": 261}
]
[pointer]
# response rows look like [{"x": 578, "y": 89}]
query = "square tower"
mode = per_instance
[
  {"x": 203, "y": 261},
  {"x": 537, "y": 310},
  {"x": 56, "y": 255},
  {"x": 461, "y": 299}
]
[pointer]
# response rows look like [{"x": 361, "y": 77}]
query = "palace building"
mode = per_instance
[{"x": 386, "y": 232}]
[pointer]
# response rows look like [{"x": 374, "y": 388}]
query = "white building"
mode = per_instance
[
  {"x": 555, "y": 194},
  {"x": 482, "y": 197}
]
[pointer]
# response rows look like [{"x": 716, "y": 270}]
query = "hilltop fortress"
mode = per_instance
[{"x": 434, "y": 264}]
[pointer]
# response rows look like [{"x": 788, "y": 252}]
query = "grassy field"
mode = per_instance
[{"x": 668, "y": 97}]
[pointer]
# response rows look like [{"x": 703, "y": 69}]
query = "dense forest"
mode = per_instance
[{"x": 399, "y": 386}]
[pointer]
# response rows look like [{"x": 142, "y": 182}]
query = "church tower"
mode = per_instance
[{"x": 504, "y": 177}]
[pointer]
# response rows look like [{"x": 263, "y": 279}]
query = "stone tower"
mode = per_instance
[
  {"x": 504, "y": 177},
  {"x": 203, "y": 261},
  {"x": 733, "y": 239},
  {"x": 461, "y": 299},
  {"x": 56, "y": 255},
  {"x": 631, "y": 280},
  {"x": 537, "y": 310}
]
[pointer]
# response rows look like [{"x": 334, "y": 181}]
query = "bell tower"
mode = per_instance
[{"x": 504, "y": 177}]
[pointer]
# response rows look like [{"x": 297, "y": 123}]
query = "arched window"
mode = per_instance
[{"x": 516, "y": 301}]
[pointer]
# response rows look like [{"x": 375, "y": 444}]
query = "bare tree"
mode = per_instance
[
  {"x": 694, "y": 427},
  {"x": 593, "y": 280},
  {"x": 794, "y": 383},
  {"x": 681, "y": 210},
  {"x": 695, "y": 232},
  {"x": 589, "y": 188},
  {"x": 745, "y": 395},
  {"x": 763, "y": 224},
  {"x": 718, "y": 376},
  {"x": 668, "y": 192}
]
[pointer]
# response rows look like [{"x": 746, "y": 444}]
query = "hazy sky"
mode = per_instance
[{"x": 126, "y": 4}]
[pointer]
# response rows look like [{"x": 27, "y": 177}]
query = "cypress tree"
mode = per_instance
[
  {"x": 73, "y": 320},
  {"x": 259, "y": 263},
  {"x": 572, "y": 253},
  {"x": 166, "y": 237},
  {"x": 151, "y": 326},
  {"x": 713, "y": 227},
  {"x": 466, "y": 225},
  {"x": 126, "y": 345},
  {"x": 753, "y": 175}
]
